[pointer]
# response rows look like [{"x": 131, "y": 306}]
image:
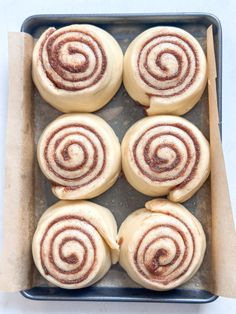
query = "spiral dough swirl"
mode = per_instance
[
  {"x": 166, "y": 154},
  {"x": 173, "y": 78},
  {"x": 75, "y": 243},
  {"x": 168, "y": 250},
  {"x": 173, "y": 256},
  {"x": 71, "y": 245},
  {"x": 62, "y": 65},
  {"x": 165, "y": 70},
  {"x": 73, "y": 152},
  {"x": 65, "y": 164},
  {"x": 77, "y": 68}
]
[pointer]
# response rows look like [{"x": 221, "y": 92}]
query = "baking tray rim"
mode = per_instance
[
  {"x": 215, "y": 20},
  {"x": 118, "y": 298}
]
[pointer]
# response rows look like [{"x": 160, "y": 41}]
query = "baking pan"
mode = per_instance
[{"x": 122, "y": 199}]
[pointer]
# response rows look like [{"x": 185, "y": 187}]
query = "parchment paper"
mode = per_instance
[
  {"x": 223, "y": 229},
  {"x": 18, "y": 222},
  {"x": 121, "y": 199}
]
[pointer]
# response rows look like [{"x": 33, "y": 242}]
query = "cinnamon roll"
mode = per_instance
[
  {"x": 80, "y": 155},
  {"x": 77, "y": 68},
  {"x": 165, "y": 70},
  {"x": 161, "y": 246},
  {"x": 165, "y": 155},
  {"x": 74, "y": 244}
]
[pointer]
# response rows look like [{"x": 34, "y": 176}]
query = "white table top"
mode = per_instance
[{"x": 12, "y": 14}]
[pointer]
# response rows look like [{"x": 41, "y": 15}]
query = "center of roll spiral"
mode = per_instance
[
  {"x": 164, "y": 158},
  {"x": 167, "y": 61},
  {"x": 75, "y": 151},
  {"x": 71, "y": 258},
  {"x": 154, "y": 263},
  {"x": 73, "y": 60},
  {"x": 68, "y": 249},
  {"x": 168, "y": 65}
]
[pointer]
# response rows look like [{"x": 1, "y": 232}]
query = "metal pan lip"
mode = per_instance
[{"x": 30, "y": 294}]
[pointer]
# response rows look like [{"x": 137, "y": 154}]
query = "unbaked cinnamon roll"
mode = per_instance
[
  {"x": 161, "y": 246},
  {"x": 77, "y": 68},
  {"x": 80, "y": 155},
  {"x": 74, "y": 244},
  {"x": 165, "y": 155},
  {"x": 165, "y": 70}
]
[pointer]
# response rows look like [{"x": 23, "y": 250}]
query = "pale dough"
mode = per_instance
[
  {"x": 80, "y": 155},
  {"x": 162, "y": 245},
  {"x": 74, "y": 244},
  {"x": 165, "y": 70},
  {"x": 77, "y": 68},
  {"x": 165, "y": 155}
]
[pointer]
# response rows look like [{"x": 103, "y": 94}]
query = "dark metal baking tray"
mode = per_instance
[{"x": 129, "y": 25}]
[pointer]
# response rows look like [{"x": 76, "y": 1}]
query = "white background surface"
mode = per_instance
[{"x": 13, "y": 13}]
